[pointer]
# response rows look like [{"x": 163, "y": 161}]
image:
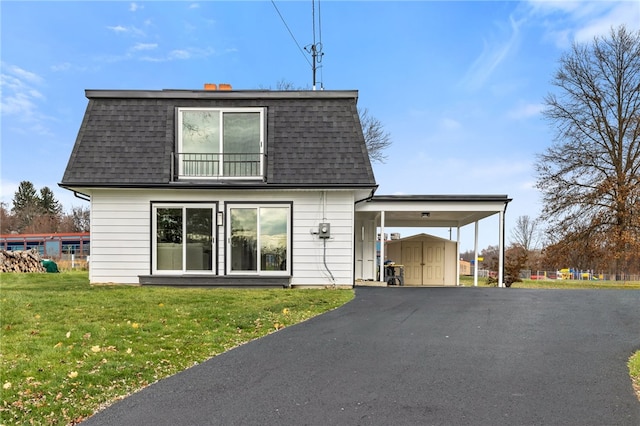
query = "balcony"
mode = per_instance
[{"x": 219, "y": 166}]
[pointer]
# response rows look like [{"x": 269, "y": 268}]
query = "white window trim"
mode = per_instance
[
  {"x": 227, "y": 246},
  {"x": 154, "y": 239},
  {"x": 221, "y": 111}
]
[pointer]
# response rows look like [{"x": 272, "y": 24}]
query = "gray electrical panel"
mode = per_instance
[{"x": 324, "y": 230}]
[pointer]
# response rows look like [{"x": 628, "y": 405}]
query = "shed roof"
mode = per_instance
[{"x": 314, "y": 138}]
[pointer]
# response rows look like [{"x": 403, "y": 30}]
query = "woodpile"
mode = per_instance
[{"x": 21, "y": 261}]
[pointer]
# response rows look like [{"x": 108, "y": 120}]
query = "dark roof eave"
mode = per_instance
[
  {"x": 229, "y": 186},
  {"x": 444, "y": 197},
  {"x": 220, "y": 94}
]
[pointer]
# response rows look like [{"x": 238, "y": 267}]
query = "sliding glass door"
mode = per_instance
[
  {"x": 184, "y": 238},
  {"x": 259, "y": 239}
]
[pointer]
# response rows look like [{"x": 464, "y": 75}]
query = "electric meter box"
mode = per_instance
[{"x": 324, "y": 230}]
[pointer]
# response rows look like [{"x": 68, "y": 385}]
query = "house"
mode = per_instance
[{"x": 235, "y": 188}]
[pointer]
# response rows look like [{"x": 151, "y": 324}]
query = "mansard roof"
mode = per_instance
[{"x": 127, "y": 137}]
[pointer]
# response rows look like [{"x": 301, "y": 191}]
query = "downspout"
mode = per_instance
[
  {"x": 373, "y": 190},
  {"x": 368, "y": 198}
]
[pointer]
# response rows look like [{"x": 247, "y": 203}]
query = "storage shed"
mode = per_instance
[{"x": 427, "y": 260}]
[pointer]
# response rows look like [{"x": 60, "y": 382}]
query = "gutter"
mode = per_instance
[
  {"x": 81, "y": 196},
  {"x": 373, "y": 191},
  {"x": 204, "y": 185}
]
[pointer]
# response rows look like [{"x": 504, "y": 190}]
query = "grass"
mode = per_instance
[
  {"x": 69, "y": 348},
  {"x": 467, "y": 281},
  {"x": 634, "y": 372}
]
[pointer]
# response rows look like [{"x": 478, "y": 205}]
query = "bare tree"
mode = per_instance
[
  {"x": 525, "y": 233},
  {"x": 376, "y": 137},
  {"x": 590, "y": 176}
]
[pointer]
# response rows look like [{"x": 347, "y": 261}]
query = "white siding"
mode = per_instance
[{"x": 121, "y": 231}]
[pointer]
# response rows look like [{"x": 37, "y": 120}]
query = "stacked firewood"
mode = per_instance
[{"x": 21, "y": 261}]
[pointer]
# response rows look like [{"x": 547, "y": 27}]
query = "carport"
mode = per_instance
[{"x": 379, "y": 212}]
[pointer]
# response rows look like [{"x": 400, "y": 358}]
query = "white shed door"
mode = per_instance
[
  {"x": 433, "y": 256},
  {"x": 412, "y": 261},
  {"x": 423, "y": 262}
]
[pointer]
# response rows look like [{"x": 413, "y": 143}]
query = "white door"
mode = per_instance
[
  {"x": 412, "y": 261},
  {"x": 433, "y": 259}
]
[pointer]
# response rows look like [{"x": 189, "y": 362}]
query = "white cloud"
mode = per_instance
[
  {"x": 19, "y": 104},
  {"x": 135, "y": 6},
  {"x": 144, "y": 46},
  {"x": 19, "y": 95},
  {"x": 179, "y": 54},
  {"x": 64, "y": 66},
  {"x": 194, "y": 6},
  {"x": 23, "y": 74},
  {"x": 7, "y": 191},
  {"x": 119, "y": 29},
  {"x": 581, "y": 21},
  {"x": 493, "y": 54},
  {"x": 523, "y": 111},
  {"x": 450, "y": 124}
]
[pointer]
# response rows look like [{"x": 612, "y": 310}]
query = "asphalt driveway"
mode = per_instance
[{"x": 418, "y": 356}]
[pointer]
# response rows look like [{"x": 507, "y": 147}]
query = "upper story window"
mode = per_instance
[{"x": 221, "y": 142}]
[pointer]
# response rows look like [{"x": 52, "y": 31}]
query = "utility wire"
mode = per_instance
[{"x": 290, "y": 33}]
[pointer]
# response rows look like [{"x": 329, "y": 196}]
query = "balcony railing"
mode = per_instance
[{"x": 196, "y": 165}]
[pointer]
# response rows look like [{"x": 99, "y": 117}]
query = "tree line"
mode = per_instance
[{"x": 39, "y": 212}]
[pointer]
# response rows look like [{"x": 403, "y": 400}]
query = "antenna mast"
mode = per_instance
[{"x": 316, "y": 48}]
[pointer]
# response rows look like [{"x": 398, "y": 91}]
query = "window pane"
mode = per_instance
[
  {"x": 200, "y": 143},
  {"x": 241, "y": 143},
  {"x": 199, "y": 239},
  {"x": 273, "y": 238},
  {"x": 201, "y": 131},
  {"x": 244, "y": 238},
  {"x": 169, "y": 239}
]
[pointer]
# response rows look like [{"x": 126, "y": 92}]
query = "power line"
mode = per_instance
[{"x": 292, "y": 36}]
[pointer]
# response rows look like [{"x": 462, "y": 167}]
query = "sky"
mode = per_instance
[{"x": 459, "y": 85}]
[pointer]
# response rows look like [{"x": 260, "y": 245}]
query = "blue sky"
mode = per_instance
[{"x": 459, "y": 85}]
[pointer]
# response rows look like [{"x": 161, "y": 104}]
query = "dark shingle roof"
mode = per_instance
[{"x": 126, "y": 138}]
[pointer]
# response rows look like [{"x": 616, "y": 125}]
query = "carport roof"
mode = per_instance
[{"x": 431, "y": 210}]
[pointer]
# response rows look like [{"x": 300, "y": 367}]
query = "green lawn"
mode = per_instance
[
  {"x": 467, "y": 281},
  {"x": 69, "y": 348}
]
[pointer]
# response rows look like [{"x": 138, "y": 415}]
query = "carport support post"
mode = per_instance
[
  {"x": 501, "y": 251},
  {"x": 381, "y": 246},
  {"x": 475, "y": 262},
  {"x": 458, "y": 257}
]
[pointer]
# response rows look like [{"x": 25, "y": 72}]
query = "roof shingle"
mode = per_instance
[{"x": 127, "y": 137}]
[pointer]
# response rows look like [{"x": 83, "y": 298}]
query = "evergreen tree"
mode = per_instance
[
  {"x": 48, "y": 203},
  {"x": 26, "y": 205}
]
